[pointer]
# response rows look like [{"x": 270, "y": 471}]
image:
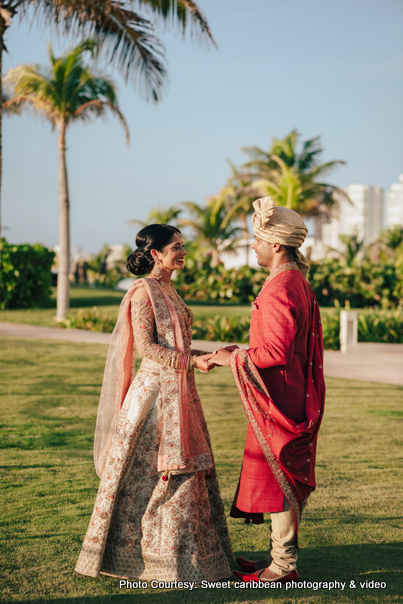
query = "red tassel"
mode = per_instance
[{"x": 165, "y": 477}]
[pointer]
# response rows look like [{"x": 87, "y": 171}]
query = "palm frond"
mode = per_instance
[
  {"x": 136, "y": 221},
  {"x": 269, "y": 187},
  {"x": 259, "y": 157},
  {"x": 126, "y": 39},
  {"x": 184, "y": 12},
  {"x": 307, "y": 159},
  {"x": 163, "y": 215},
  {"x": 194, "y": 224},
  {"x": 32, "y": 89},
  {"x": 194, "y": 208},
  {"x": 70, "y": 91},
  {"x": 97, "y": 108},
  {"x": 325, "y": 168}
]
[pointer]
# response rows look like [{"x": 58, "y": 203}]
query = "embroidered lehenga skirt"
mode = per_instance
[{"x": 146, "y": 528}]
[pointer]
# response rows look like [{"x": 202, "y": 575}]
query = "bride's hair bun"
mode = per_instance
[
  {"x": 140, "y": 262},
  {"x": 152, "y": 237}
]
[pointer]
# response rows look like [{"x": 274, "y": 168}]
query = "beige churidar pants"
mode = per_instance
[{"x": 283, "y": 552}]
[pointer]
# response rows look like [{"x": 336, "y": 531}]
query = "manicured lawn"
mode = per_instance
[
  {"x": 351, "y": 530},
  {"x": 80, "y": 297},
  {"x": 109, "y": 301}
]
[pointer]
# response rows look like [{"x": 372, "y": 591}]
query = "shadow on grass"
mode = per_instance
[{"x": 360, "y": 564}]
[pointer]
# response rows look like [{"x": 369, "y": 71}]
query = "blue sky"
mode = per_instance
[{"x": 333, "y": 69}]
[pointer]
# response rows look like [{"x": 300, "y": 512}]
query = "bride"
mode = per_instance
[{"x": 158, "y": 513}]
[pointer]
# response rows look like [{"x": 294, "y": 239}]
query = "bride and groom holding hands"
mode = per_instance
[{"x": 158, "y": 514}]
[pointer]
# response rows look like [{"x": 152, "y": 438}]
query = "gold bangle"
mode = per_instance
[{"x": 177, "y": 360}]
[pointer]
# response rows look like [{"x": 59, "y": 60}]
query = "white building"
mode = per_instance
[
  {"x": 393, "y": 215},
  {"x": 362, "y": 217}
]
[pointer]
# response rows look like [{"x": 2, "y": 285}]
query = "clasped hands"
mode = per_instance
[{"x": 218, "y": 358}]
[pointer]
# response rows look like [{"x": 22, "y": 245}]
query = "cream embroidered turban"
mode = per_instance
[{"x": 276, "y": 224}]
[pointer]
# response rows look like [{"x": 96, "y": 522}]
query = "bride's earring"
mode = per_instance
[{"x": 157, "y": 270}]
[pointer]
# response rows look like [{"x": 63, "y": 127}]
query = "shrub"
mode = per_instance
[
  {"x": 111, "y": 277},
  {"x": 331, "y": 330},
  {"x": 201, "y": 281},
  {"x": 381, "y": 326},
  {"x": 236, "y": 329},
  {"x": 91, "y": 319},
  {"x": 362, "y": 284},
  {"x": 222, "y": 329},
  {"x": 25, "y": 275},
  {"x": 373, "y": 326}
]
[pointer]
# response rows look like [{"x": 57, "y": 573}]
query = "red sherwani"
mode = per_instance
[{"x": 280, "y": 331}]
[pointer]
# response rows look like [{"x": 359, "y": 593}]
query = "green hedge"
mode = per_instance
[
  {"x": 362, "y": 285},
  {"x": 236, "y": 329},
  {"x": 373, "y": 326},
  {"x": 378, "y": 326},
  {"x": 200, "y": 281},
  {"x": 91, "y": 320},
  {"x": 25, "y": 275}
]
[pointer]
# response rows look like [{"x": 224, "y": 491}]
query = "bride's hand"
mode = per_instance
[{"x": 201, "y": 362}]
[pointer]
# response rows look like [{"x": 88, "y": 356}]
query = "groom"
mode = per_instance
[{"x": 281, "y": 385}]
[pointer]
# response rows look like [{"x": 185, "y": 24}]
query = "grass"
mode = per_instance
[
  {"x": 107, "y": 299},
  {"x": 80, "y": 297},
  {"x": 351, "y": 529}
]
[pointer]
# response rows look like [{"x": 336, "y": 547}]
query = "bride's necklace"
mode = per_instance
[
  {"x": 170, "y": 291},
  {"x": 173, "y": 294}
]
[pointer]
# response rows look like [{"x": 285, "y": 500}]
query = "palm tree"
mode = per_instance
[
  {"x": 237, "y": 196},
  {"x": 126, "y": 38},
  {"x": 66, "y": 93},
  {"x": 293, "y": 179},
  {"x": 211, "y": 226},
  {"x": 159, "y": 216},
  {"x": 353, "y": 246},
  {"x": 283, "y": 185}
]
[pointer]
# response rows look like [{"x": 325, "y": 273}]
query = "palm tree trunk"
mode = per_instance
[
  {"x": 245, "y": 229},
  {"x": 2, "y": 30},
  {"x": 63, "y": 281},
  {"x": 215, "y": 257},
  {"x": 289, "y": 196}
]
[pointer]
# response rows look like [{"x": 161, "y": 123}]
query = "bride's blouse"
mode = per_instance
[{"x": 146, "y": 337}]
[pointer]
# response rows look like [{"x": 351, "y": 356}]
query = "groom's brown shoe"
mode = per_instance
[{"x": 249, "y": 566}]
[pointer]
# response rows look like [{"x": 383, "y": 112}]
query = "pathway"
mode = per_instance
[{"x": 368, "y": 362}]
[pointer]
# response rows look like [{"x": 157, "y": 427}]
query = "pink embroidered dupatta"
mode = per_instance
[{"x": 183, "y": 444}]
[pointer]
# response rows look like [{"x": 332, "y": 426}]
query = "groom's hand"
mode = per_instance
[
  {"x": 232, "y": 348},
  {"x": 220, "y": 357}
]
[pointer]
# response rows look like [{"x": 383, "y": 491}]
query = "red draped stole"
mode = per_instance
[{"x": 289, "y": 448}]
